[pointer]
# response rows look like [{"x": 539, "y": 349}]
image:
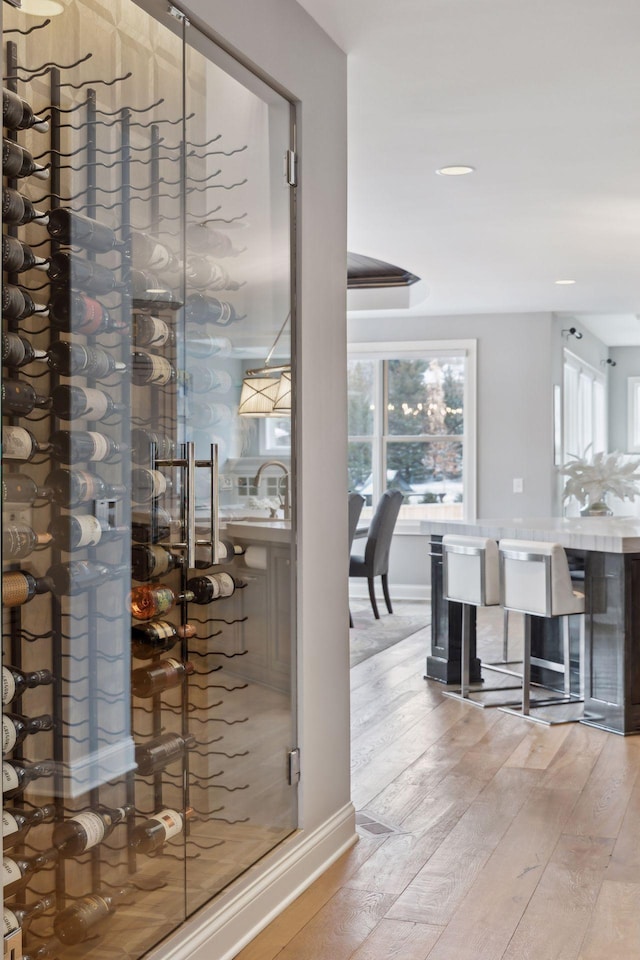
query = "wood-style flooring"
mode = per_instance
[{"x": 503, "y": 840}]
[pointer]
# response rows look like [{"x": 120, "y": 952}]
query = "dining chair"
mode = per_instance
[
  {"x": 375, "y": 560},
  {"x": 356, "y": 503}
]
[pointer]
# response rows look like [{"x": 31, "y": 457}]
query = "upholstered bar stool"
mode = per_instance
[
  {"x": 471, "y": 577},
  {"x": 535, "y": 580}
]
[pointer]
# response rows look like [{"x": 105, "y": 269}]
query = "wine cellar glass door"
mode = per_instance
[{"x": 148, "y": 673}]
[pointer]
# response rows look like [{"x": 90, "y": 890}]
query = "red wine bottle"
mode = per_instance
[
  {"x": 17, "y": 304},
  {"x": 74, "y": 229},
  {"x": 19, "y": 398},
  {"x": 19, "y": 587},
  {"x": 17, "y": 114},
  {"x": 151, "y": 331},
  {"x": 18, "y": 162},
  {"x": 83, "y": 831},
  {"x": 147, "y": 368},
  {"x": 72, "y": 488},
  {"x": 16, "y": 350},
  {"x": 152, "y": 834},
  {"x": 18, "y": 210},
  {"x": 73, "y": 533},
  {"x": 74, "y": 577},
  {"x": 18, "y": 774},
  {"x": 75, "y": 312},
  {"x": 145, "y": 442},
  {"x": 73, "y": 403},
  {"x": 16, "y": 873},
  {"x": 69, "y": 269},
  {"x": 69, "y": 359},
  {"x": 19, "y": 488},
  {"x": 15, "y": 682},
  {"x": 150, "y": 639},
  {"x": 159, "y": 676},
  {"x": 15, "y": 728},
  {"x": 75, "y": 446},
  {"x": 201, "y": 309},
  {"x": 212, "y": 587},
  {"x": 226, "y": 552},
  {"x": 149, "y": 292},
  {"x": 75, "y": 923},
  {"x": 16, "y": 823},
  {"x": 158, "y": 753},
  {"x": 18, "y": 443},
  {"x": 19, "y": 540},
  {"x": 18, "y": 918},
  {"x": 17, "y": 257},
  {"x": 149, "y": 561},
  {"x": 148, "y": 485},
  {"x": 152, "y": 527}
]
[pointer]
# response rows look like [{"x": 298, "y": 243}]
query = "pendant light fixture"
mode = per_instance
[{"x": 263, "y": 393}]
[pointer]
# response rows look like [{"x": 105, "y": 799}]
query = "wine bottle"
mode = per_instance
[
  {"x": 148, "y": 484},
  {"x": 74, "y": 229},
  {"x": 19, "y": 587},
  {"x": 15, "y": 682},
  {"x": 201, "y": 309},
  {"x": 19, "y": 917},
  {"x": 149, "y": 561},
  {"x": 83, "y": 831},
  {"x": 18, "y": 774},
  {"x": 152, "y": 834},
  {"x": 72, "y": 488},
  {"x": 71, "y": 578},
  {"x": 16, "y": 822},
  {"x": 76, "y": 922},
  {"x": 150, "y": 639},
  {"x": 209, "y": 380},
  {"x": 147, "y": 368},
  {"x": 75, "y": 312},
  {"x": 16, "y": 873},
  {"x": 16, "y": 350},
  {"x": 18, "y": 162},
  {"x": 159, "y": 676},
  {"x": 72, "y": 533},
  {"x": 156, "y": 754},
  {"x": 17, "y": 114},
  {"x": 73, "y": 446},
  {"x": 17, "y": 257},
  {"x": 226, "y": 552},
  {"x": 19, "y": 488},
  {"x": 67, "y": 268},
  {"x": 200, "y": 236},
  {"x": 152, "y": 527},
  {"x": 44, "y": 951},
  {"x": 207, "y": 345},
  {"x": 148, "y": 291},
  {"x": 73, "y": 402},
  {"x": 69, "y": 359},
  {"x": 18, "y": 443},
  {"x": 19, "y": 540},
  {"x": 16, "y": 728},
  {"x": 155, "y": 600},
  {"x": 146, "y": 442},
  {"x": 151, "y": 331},
  {"x": 18, "y": 210},
  {"x": 19, "y": 398},
  {"x": 214, "y": 586},
  {"x": 205, "y": 415},
  {"x": 17, "y": 304}
]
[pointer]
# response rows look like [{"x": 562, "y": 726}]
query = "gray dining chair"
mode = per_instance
[
  {"x": 356, "y": 503},
  {"x": 375, "y": 561}
]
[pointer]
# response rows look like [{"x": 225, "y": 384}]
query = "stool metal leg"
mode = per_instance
[
  {"x": 464, "y": 693},
  {"x": 526, "y": 668},
  {"x": 502, "y": 666}
]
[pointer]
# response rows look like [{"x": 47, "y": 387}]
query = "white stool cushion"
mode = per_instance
[
  {"x": 465, "y": 558},
  {"x": 525, "y": 586}
]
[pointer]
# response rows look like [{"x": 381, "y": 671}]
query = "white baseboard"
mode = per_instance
[
  {"x": 398, "y": 591},
  {"x": 236, "y": 916}
]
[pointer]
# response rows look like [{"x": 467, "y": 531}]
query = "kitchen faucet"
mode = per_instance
[{"x": 285, "y": 470}]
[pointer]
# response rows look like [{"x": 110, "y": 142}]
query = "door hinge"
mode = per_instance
[
  {"x": 179, "y": 15},
  {"x": 294, "y": 766},
  {"x": 292, "y": 168}
]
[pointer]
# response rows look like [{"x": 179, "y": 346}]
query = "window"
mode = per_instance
[
  {"x": 585, "y": 408},
  {"x": 411, "y": 426}
]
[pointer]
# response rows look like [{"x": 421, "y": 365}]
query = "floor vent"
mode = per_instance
[{"x": 374, "y": 825}]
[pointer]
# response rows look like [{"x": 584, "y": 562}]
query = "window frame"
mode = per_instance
[{"x": 584, "y": 408}]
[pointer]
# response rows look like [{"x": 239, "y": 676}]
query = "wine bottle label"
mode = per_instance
[
  {"x": 86, "y": 486},
  {"x": 159, "y": 483},
  {"x": 163, "y": 630},
  {"x": 156, "y": 331},
  {"x": 215, "y": 586},
  {"x": 10, "y": 778},
  {"x": 91, "y": 320},
  {"x": 9, "y": 824},
  {"x": 93, "y": 827},
  {"x": 16, "y": 443},
  {"x": 15, "y": 589},
  {"x": 170, "y": 821},
  {"x": 164, "y": 597},
  {"x": 161, "y": 370},
  {"x": 90, "y": 531},
  {"x": 9, "y": 735},
  {"x": 10, "y": 871},
  {"x": 8, "y": 685},
  {"x": 159, "y": 561},
  {"x": 96, "y": 403},
  {"x": 100, "y": 445},
  {"x": 11, "y": 923}
]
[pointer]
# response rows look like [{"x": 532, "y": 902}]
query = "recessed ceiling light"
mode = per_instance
[
  {"x": 455, "y": 171},
  {"x": 565, "y": 283}
]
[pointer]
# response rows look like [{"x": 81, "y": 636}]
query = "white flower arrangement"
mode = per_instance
[{"x": 589, "y": 480}]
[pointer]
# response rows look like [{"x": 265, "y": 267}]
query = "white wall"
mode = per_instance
[{"x": 627, "y": 365}]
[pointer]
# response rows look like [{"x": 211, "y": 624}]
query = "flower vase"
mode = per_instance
[{"x": 596, "y": 508}]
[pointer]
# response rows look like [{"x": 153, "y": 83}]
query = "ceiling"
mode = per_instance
[{"x": 543, "y": 99}]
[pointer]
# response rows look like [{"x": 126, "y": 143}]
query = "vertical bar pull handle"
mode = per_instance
[
  {"x": 215, "y": 506},
  {"x": 190, "y": 503}
]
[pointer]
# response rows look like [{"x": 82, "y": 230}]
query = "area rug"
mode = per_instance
[{"x": 369, "y": 636}]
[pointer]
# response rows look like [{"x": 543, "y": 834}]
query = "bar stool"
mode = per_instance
[
  {"x": 535, "y": 580},
  {"x": 471, "y": 577}
]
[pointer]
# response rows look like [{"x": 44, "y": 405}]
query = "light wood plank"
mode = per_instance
[
  {"x": 624, "y": 865},
  {"x": 396, "y": 940},
  {"x": 614, "y": 931},
  {"x": 539, "y": 747},
  {"x": 603, "y": 802}
]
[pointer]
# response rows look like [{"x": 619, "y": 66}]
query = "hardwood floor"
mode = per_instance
[{"x": 504, "y": 840}]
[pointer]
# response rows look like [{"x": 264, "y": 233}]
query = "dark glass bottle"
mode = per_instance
[
  {"x": 15, "y": 682},
  {"x": 18, "y": 210},
  {"x": 151, "y": 331},
  {"x": 17, "y": 257},
  {"x": 149, "y": 292},
  {"x": 19, "y": 398},
  {"x": 20, "y": 488},
  {"x": 16, "y": 873},
  {"x": 226, "y": 552},
  {"x": 15, "y": 728},
  {"x": 18, "y": 162},
  {"x": 71, "y": 578},
  {"x": 152, "y": 834},
  {"x": 19, "y": 540},
  {"x": 75, "y": 923},
  {"x": 143, "y": 442},
  {"x": 149, "y": 561},
  {"x": 147, "y": 368},
  {"x": 159, "y": 676},
  {"x": 74, "y": 229},
  {"x": 17, "y": 351},
  {"x": 152, "y": 527},
  {"x": 16, "y": 822},
  {"x": 156, "y": 754},
  {"x": 17, "y": 304},
  {"x": 73, "y": 533},
  {"x": 75, "y": 312},
  {"x": 71, "y": 488},
  {"x": 18, "y": 443},
  {"x": 19, "y": 587},
  {"x": 150, "y": 639},
  {"x": 17, "y": 114},
  {"x": 83, "y": 831},
  {"x": 67, "y": 268},
  {"x": 212, "y": 586},
  {"x": 17, "y": 775},
  {"x": 76, "y": 446},
  {"x": 148, "y": 484},
  {"x": 149, "y": 253},
  {"x": 18, "y": 918},
  {"x": 155, "y": 600},
  {"x": 207, "y": 345},
  {"x": 200, "y": 236},
  {"x": 201, "y": 309},
  {"x": 73, "y": 402},
  {"x": 69, "y": 359}
]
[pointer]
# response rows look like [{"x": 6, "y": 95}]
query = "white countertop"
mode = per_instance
[
  {"x": 602, "y": 534},
  {"x": 265, "y": 531}
]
